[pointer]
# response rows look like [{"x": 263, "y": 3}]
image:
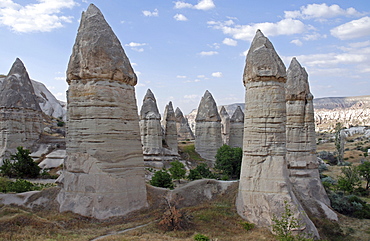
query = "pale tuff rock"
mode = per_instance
[
  {"x": 301, "y": 142},
  {"x": 208, "y": 128},
  {"x": 237, "y": 128},
  {"x": 150, "y": 126},
  {"x": 21, "y": 121},
  {"x": 225, "y": 125},
  {"x": 170, "y": 129},
  {"x": 104, "y": 170},
  {"x": 264, "y": 184},
  {"x": 183, "y": 129}
]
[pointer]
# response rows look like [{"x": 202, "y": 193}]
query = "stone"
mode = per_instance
[
  {"x": 184, "y": 131},
  {"x": 150, "y": 126},
  {"x": 170, "y": 129},
  {"x": 225, "y": 126},
  {"x": 103, "y": 172},
  {"x": 264, "y": 187},
  {"x": 207, "y": 128},
  {"x": 236, "y": 128},
  {"x": 21, "y": 120},
  {"x": 301, "y": 143}
]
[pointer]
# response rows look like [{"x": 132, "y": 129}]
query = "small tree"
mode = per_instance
[
  {"x": 350, "y": 180},
  {"x": 201, "y": 171},
  {"x": 162, "y": 179},
  {"x": 228, "y": 160},
  {"x": 177, "y": 170},
  {"x": 339, "y": 142},
  {"x": 364, "y": 171},
  {"x": 21, "y": 165}
]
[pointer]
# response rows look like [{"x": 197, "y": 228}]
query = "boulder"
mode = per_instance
[
  {"x": 264, "y": 187},
  {"x": 103, "y": 172},
  {"x": 225, "y": 125},
  {"x": 236, "y": 128},
  {"x": 208, "y": 128}
]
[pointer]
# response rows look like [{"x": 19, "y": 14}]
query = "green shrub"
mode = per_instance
[
  {"x": 21, "y": 185},
  {"x": 21, "y": 165},
  {"x": 350, "y": 180},
  {"x": 248, "y": 226},
  {"x": 177, "y": 170},
  {"x": 229, "y": 160},
  {"x": 349, "y": 205},
  {"x": 364, "y": 171},
  {"x": 201, "y": 237},
  {"x": 194, "y": 175},
  {"x": 162, "y": 179},
  {"x": 201, "y": 171}
]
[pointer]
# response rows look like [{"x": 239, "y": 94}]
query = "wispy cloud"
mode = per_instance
[
  {"x": 230, "y": 42},
  {"x": 147, "y": 13},
  {"x": 208, "y": 53},
  {"x": 136, "y": 46},
  {"x": 181, "y": 76},
  {"x": 180, "y": 17},
  {"x": 321, "y": 11},
  {"x": 40, "y": 17},
  {"x": 217, "y": 74},
  {"x": 296, "y": 42},
  {"x": 353, "y": 29},
  {"x": 202, "y": 5}
]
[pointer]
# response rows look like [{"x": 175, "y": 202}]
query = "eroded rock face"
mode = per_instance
[
  {"x": 184, "y": 131},
  {"x": 150, "y": 126},
  {"x": 264, "y": 183},
  {"x": 208, "y": 128},
  {"x": 104, "y": 170},
  {"x": 301, "y": 143},
  {"x": 170, "y": 129},
  {"x": 225, "y": 125},
  {"x": 21, "y": 121},
  {"x": 237, "y": 128}
]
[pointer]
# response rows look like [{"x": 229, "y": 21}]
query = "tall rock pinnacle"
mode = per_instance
[
  {"x": 170, "y": 129},
  {"x": 184, "y": 131},
  {"x": 225, "y": 125},
  {"x": 104, "y": 170},
  {"x": 237, "y": 128},
  {"x": 264, "y": 183},
  {"x": 208, "y": 128}
]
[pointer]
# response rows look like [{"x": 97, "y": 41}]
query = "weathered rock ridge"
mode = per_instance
[
  {"x": 208, "y": 128},
  {"x": 104, "y": 170},
  {"x": 21, "y": 120},
  {"x": 264, "y": 184}
]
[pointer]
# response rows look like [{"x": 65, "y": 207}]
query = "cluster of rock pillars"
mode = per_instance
[{"x": 107, "y": 143}]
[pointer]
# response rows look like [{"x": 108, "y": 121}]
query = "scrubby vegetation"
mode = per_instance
[
  {"x": 21, "y": 185},
  {"x": 228, "y": 161}
]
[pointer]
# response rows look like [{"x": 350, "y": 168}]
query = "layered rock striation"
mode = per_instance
[
  {"x": 184, "y": 131},
  {"x": 150, "y": 126},
  {"x": 225, "y": 125},
  {"x": 264, "y": 187},
  {"x": 208, "y": 128},
  {"x": 301, "y": 143},
  {"x": 21, "y": 118},
  {"x": 103, "y": 172},
  {"x": 170, "y": 129},
  {"x": 236, "y": 128}
]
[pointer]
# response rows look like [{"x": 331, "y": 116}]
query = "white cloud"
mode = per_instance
[
  {"x": 247, "y": 32},
  {"x": 191, "y": 96},
  {"x": 133, "y": 44},
  {"x": 313, "y": 36},
  {"x": 360, "y": 44},
  {"x": 38, "y": 17},
  {"x": 147, "y": 13},
  {"x": 297, "y": 42},
  {"x": 180, "y": 17},
  {"x": 209, "y": 53},
  {"x": 217, "y": 74},
  {"x": 60, "y": 78},
  {"x": 201, "y": 76},
  {"x": 202, "y": 5},
  {"x": 214, "y": 45},
  {"x": 230, "y": 42},
  {"x": 181, "y": 76},
  {"x": 321, "y": 11},
  {"x": 353, "y": 29}
]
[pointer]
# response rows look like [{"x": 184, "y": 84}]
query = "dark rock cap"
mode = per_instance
[
  {"x": 17, "y": 90},
  {"x": 207, "y": 109},
  {"x": 149, "y": 109},
  {"x": 97, "y": 52},
  {"x": 297, "y": 87},
  {"x": 238, "y": 115},
  {"x": 263, "y": 63}
]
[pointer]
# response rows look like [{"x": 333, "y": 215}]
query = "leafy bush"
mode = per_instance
[
  {"x": 349, "y": 205},
  {"x": 21, "y": 185},
  {"x": 201, "y": 171},
  {"x": 21, "y": 165},
  {"x": 350, "y": 181},
  {"x": 229, "y": 160},
  {"x": 201, "y": 237},
  {"x": 162, "y": 179},
  {"x": 177, "y": 170},
  {"x": 364, "y": 171},
  {"x": 248, "y": 226}
]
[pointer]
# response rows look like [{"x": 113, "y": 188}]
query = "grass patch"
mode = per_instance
[{"x": 188, "y": 153}]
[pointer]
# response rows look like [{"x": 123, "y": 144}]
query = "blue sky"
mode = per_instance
[{"x": 179, "y": 49}]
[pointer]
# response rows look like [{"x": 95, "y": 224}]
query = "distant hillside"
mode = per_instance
[{"x": 351, "y": 111}]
